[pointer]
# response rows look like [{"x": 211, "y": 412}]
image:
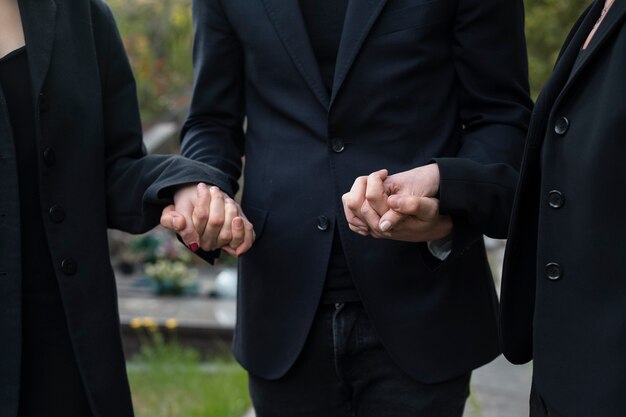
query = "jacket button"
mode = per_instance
[
  {"x": 556, "y": 199},
  {"x": 57, "y": 214},
  {"x": 69, "y": 266},
  {"x": 553, "y": 271},
  {"x": 44, "y": 102},
  {"x": 49, "y": 157},
  {"x": 562, "y": 125},
  {"x": 323, "y": 223},
  {"x": 338, "y": 145}
]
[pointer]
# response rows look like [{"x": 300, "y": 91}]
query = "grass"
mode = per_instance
[{"x": 168, "y": 380}]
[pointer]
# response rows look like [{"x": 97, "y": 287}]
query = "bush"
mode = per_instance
[
  {"x": 547, "y": 24},
  {"x": 158, "y": 37}
]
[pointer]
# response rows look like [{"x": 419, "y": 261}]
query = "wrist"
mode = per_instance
[
  {"x": 431, "y": 176},
  {"x": 185, "y": 189},
  {"x": 444, "y": 228}
]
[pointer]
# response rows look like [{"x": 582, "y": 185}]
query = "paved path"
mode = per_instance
[{"x": 500, "y": 389}]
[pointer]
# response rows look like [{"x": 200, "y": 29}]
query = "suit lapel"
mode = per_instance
[
  {"x": 360, "y": 17},
  {"x": 39, "y": 21},
  {"x": 286, "y": 17},
  {"x": 610, "y": 24}
]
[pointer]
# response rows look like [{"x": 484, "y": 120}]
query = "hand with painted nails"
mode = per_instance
[{"x": 207, "y": 218}]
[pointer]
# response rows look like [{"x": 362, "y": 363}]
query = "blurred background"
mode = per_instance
[{"x": 177, "y": 312}]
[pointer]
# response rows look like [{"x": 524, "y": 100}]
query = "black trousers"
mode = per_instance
[
  {"x": 344, "y": 371},
  {"x": 538, "y": 406}
]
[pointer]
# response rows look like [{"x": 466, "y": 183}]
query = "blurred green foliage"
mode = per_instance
[
  {"x": 547, "y": 24},
  {"x": 158, "y": 37}
]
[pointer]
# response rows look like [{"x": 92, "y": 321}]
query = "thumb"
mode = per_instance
[
  {"x": 186, "y": 229},
  {"x": 176, "y": 222},
  {"x": 185, "y": 202},
  {"x": 171, "y": 219},
  {"x": 389, "y": 220},
  {"x": 424, "y": 208}
]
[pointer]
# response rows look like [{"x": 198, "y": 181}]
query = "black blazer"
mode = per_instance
[
  {"x": 87, "y": 115},
  {"x": 564, "y": 288},
  {"x": 415, "y": 80}
]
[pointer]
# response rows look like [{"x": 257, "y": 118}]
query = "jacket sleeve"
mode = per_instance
[
  {"x": 478, "y": 185},
  {"x": 213, "y": 133},
  {"x": 138, "y": 186}
]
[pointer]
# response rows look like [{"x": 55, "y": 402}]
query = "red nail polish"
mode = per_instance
[{"x": 194, "y": 247}]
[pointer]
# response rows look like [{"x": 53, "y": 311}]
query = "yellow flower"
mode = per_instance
[
  {"x": 171, "y": 324},
  {"x": 149, "y": 323},
  {"x": 136, "y": 323}
]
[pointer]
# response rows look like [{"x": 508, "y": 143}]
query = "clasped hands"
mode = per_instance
[
  {"x": 207, "y": 218},
  {"x": 399, "y": 207}
]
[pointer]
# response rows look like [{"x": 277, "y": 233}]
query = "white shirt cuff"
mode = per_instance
[{"x": 440, "y": 248}]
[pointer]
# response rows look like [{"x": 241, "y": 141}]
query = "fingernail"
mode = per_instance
[
  {"x": 385, "y": 225},
  {"x": 202, "y": 185},
  {"x": 176, "y": 223},
  {"x": 362, "y": 233},
  {"x": 194, "y": 247}
]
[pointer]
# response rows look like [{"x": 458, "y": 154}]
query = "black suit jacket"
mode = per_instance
[
  {"x": 87, "y": 114},
  {"x": 570, "y": 316},
  {"x": 415, "y": 80}
]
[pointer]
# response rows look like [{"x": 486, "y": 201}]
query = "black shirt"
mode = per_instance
[{"x": 324, "y": 21}]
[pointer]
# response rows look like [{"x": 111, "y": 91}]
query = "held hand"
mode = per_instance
[
  {"x": 420, "y": 182},
  {"x": 398, "y": 206},
  {"x": 205, "y": 217},
  {"x": 365, "y": 203},
  {"x": 415, "y": 219}
]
